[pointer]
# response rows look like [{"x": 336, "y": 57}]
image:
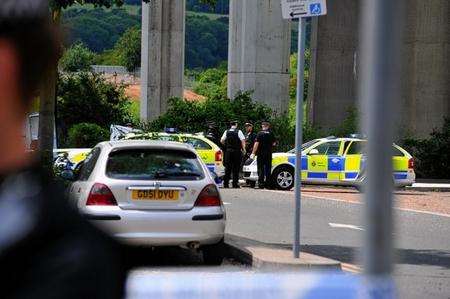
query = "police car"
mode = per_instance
[
  {"x": 333, "y": 161},
  {"x": 208, "y": 151}
]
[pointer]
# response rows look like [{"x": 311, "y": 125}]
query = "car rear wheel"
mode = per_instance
[
  {"x": 213, "y": 255},
  {"x": 283, "y": 178}
]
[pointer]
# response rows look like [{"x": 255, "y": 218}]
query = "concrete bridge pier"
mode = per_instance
[
  {"x": 162, "y": 64},
  {"x": 258, "y": 52}
]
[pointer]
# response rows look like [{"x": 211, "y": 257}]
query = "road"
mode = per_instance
[{"x": 334, "y": 229}]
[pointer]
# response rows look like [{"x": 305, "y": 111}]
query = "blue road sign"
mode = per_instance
[
  {"x": 294, "y": 9},
  {"x": 315, "y": 9}
]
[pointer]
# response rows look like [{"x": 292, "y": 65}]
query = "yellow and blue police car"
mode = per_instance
[
  {"x": 207, "y": 150},
  {"x": 333, "y": 161},
  {"x": 75, "y": 155}
]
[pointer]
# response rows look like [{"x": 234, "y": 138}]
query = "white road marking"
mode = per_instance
[
  {"x": 349, "y": 226},
  {"x": 306, "y": 194},
  {"x": 227, "y": 203}
]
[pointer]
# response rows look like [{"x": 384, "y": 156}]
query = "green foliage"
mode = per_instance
[
  {"x": 60, "y": 4},
  {"x": 194, "y": 116},
  {"x": 293, "y": 75},
  {"x": 77, "y": 58},
  {"x": 212, "y": 83},
  {"x": 86, "y": 135},
  {"x": 294, "y": 35},
  {"x": 128, "y": 49},
  {"x": 206, "y": 42},
  {"x": 101, "y": 30},
  {"x": 89, "y": 98},
  {"x": 350, "y": 125},
  {"x": 97, "y": 28},
  {"x": 218, "y": 6},
  {"x": 108, "y": 57},
  {"x": 432, "y": 155}
]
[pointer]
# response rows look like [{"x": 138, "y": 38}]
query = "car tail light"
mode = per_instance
[
  {"x": 209, "y": 197},
  {"x": 101, "y": 195},
  {"x": 411, "y": 163},
  {"x": 218, "y": 156}
]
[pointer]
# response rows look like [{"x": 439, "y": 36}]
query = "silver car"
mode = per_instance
[{"x": 152, "y": 193}]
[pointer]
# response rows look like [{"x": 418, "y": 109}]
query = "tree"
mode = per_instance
[
  {"x": 128, "y": 49},
  {"x": 97, "y": 28},
  {"x": 212, "y": 83},
  {"x": 77, "y": 58},
  {"x": 48, "y": 90},
  {"x": 86, "y": 135},
  {"x": 89, "y": 98},
  {"x": 206, "y": 42}
]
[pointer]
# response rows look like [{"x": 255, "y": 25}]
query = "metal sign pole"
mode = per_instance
[
  {"x": 298, "y": 132},
  {"x": 379, "y": 90}
]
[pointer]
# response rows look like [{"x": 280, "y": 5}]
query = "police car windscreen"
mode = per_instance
[{"x": 304, "y": 146}]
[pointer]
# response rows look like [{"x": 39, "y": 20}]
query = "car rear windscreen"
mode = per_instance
[{"x": 153, "y": 164}]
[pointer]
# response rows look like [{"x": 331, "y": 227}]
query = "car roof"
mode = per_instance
[
  {"x": 340, "y": 139},
  {"x": 146, "y": 144},
  {"x": 196, "y": 135},
  {"x": 165, "y": 134}
]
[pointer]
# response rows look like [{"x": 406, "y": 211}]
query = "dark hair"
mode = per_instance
[{"x": 27, "y": 26}]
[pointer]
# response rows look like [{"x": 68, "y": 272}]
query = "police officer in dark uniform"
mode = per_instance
[
  {"x": 234, "y": 141},
  {"x": 250, "y": 138},
  {"x": 263, "y": 148}
]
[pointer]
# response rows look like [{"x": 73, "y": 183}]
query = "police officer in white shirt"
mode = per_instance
[{"x": 234, "y": 141}]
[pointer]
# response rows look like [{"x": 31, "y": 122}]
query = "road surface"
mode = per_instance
[{"x": 335, "y": 229}]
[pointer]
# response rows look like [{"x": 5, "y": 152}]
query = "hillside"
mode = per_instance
[{"x": 99, "y": 29}]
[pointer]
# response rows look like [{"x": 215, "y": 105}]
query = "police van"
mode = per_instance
[{"x": 332, "y": 161}]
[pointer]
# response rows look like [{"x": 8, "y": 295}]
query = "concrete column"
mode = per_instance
[
  {"x": 425, "y": 90},
  {"x": 426, "y": 67},
  {"x": 258, "y": 53},
  {"x": 162, "y": 65},
  {"x": 333, "y": 68}
]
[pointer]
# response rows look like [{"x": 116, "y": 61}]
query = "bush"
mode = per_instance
[
  {"x": 86, "y": 135},
  {"x": 89, "y": 98},
  {"x": 195, "y": 116},
  {"x": 77, "y": 58},
  {"x": 192, "y": 117},
  {"x": 350, "y": 125},
  {"x": 128, "y": 49},
  {"x": 212, "y": 83},
  {"x": 432, "y": 155}
]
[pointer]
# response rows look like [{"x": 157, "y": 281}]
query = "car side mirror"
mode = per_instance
[{"x": 313, "y": 152}]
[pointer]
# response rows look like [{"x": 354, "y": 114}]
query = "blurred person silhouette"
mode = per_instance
[{"x": 47, "y": 250}]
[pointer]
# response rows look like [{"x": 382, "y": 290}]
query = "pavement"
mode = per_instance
[
  {"x": 274, "y": 258},
  {"x": 435, "y": 187},
  {"x": 333, "y": 228}
]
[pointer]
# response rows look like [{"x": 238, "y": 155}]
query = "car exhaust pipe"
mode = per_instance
[{"x": 193, "y": 245}]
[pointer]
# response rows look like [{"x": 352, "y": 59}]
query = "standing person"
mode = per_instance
[
  {"x": 250, "y": 138},
  {"x": 234, "y": 141},
  {"x": 263, "y": 148},
  {"x": 47, "y": 250}
]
